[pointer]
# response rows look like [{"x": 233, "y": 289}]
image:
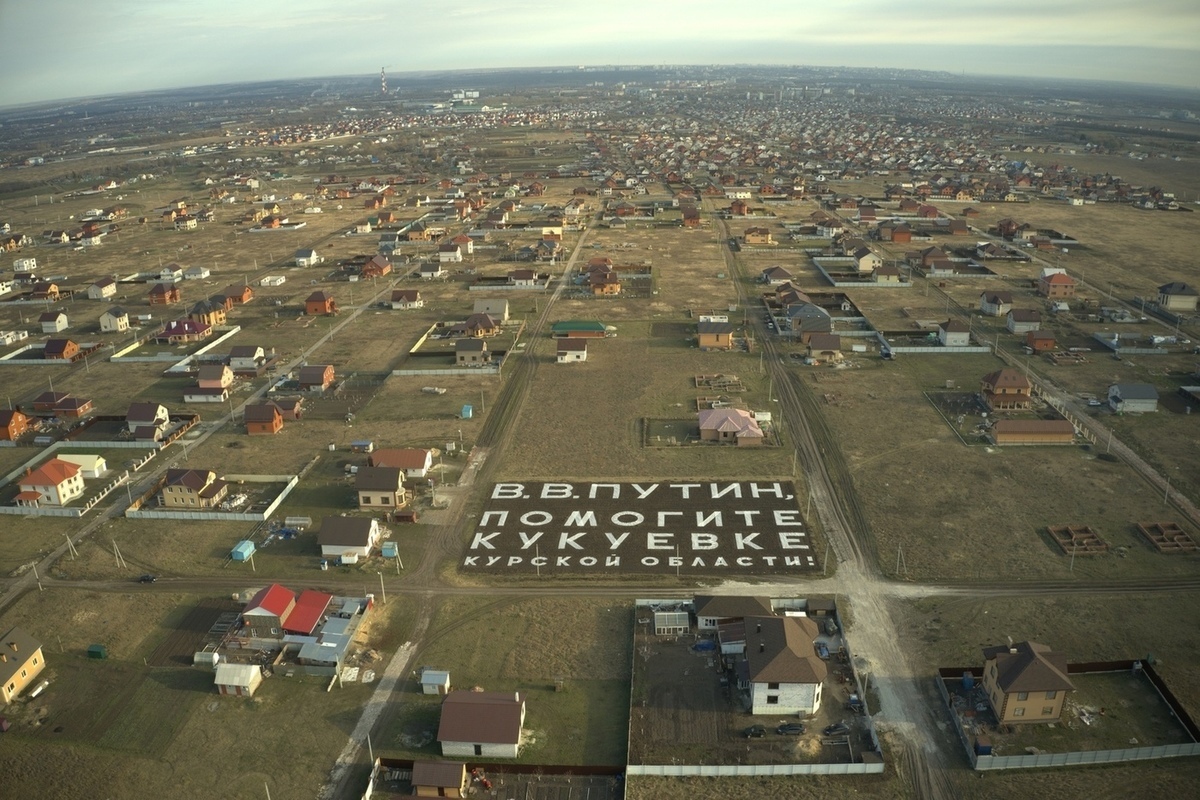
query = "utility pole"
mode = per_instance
[{"x": 383, "y": 594}]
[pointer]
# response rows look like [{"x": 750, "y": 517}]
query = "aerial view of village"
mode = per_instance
[{"x": 561, "y": 407}]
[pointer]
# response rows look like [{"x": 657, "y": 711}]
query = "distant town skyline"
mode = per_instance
[{"x": 58, "y": 49}]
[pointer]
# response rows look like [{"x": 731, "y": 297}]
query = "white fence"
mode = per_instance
[
  {"x": 227, "y": 516},
  {"x": 751, "y": 770},
  {"x": 1087, "y": 757}
]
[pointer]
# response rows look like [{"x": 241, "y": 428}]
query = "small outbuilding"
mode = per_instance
[
  {"x": 240, "y": 680},
  {"x": 435, "y": 681},
  {"x": 439, "y": 778}
]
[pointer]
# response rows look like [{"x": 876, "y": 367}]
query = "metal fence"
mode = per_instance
[{"x": 752, "y": 770}]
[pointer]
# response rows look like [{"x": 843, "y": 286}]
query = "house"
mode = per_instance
[
  {"x": 571, "y": 351},
  {"x": 1025, "y": 682},
  {"x": 757, "y": 235},
  {"x": 114, "y": 320},
  {"x": 54, "y": 483},
  {"x": 439, "y": 779},
  {"x": 449, "y": 253},
  {"x": 53, "y": 321},
  {"x": 497, "y": 309},
  {"x": 102, "y": 289},
  {"x": 207, "y": 313},
  {"x": 376, "y": 267},
  {"x": 236, "y": 294},
  {"x": 481, "y": 724},
  {"x": 471, "y": 352},
  {"x": 808, "y": 318},
  {"x": 775, "y": 275},
  {"x": 183, "y": 330},
  {"x": 431, "y": 270},
  {"x": 1133, "y": 398},
  {"x": 712, "y": 611},
  {"x": 214, "y": 376},
  {"x": 13, "y": 423},
  {"x": 604, "y": 282},
  {"x": 866, "y": 261},
  {"x": 348, "y": 537},
  {"x": 954, "y": 333},
  {"x": 714, "y": 335},
  {"x": 164, "y": 294},
  {"x": 141, "y": 416},
  {"x": 730, "y": 426},
  {"x": 1056, "y": 284},
  {"x": 380, "y": 488},
  {"x": 1040, "y": 341},
  {"x": 825, "y": 346},
  {"x": 316, "y": 377},
  {"x": 1177, "y": 297},
  {"x": 888, "y": 273},
  {"x": 246, "y": 358},
  {"x": 91, "y": 466},
  {"x": 995, "y": 304},
  {"x": 307, "y": 257},
  {"x": 1023, "y": 320},
  {"x": 265, "y": 614},
  {"x": 43, "y": 290},
  {"x": 477, "y": 326},
  {"x": 320, "y": 304},
  {"x": 292, "y": 408},
  {"x": 192, "y": 489},
  {"x": 1032, "y": 431},
  {"x": 1006, "y": 390},
  {"x": 262, "y": 419},
  {"x": 73, "y": 407},
  {"x": 403, "y": 299},
  {"x": 196, "y": 273},
  {"x": 239, "y": 680},
  {"x": 60, "y": 350},
  {"x": 415, "y": 462},
  {"x": 780, "y": 665},
  {"x": 21, "y": 661},
  {"x": 47, "y": 402}
]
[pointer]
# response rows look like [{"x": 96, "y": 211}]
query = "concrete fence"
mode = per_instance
[
  {"x": 753, "y": 770},
  {"x": 448, "y": 371},
  {"x": 137, "y": 511}
]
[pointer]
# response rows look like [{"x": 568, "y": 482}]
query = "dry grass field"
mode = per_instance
[{"x": 584, "y": 643}]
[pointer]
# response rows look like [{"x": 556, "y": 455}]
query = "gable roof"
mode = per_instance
[
  {"x": 346, "y": 531},
  {"x": 1178, "y": 288},
  {"x": 18, "y": 646},
  {"x": 400, "y": 458},
  {"x": 275, "y": 600},
  {"x": 482, "y": 717},
  {"x": 380, "y": 479},
  {"x": 1029, "y": 667},
  {"x": 1007, "y": 378},
  {"x": 731, "y": 606}
]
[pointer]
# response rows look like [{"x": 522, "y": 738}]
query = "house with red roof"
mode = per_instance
[
  {"x": 54, "y": 483},
  {"x": 415, "y": 462},
  {"x": 264, "y": 616}
]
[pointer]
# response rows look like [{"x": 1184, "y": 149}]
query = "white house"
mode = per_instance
[
  {"x": 780, "y": 665},
  {"x": 272, "y": 280},
  {"x": 239, "y": 680},
  {"x": 496, "y": 309},
  {"x": 866, "y": 261},
  {"x": 406, "y": 298},
  {"x": 1133, "y": 398},
  {"x": 246, "y": 357},
  {"x": 25, "y": 265},
  {"x": 55, "y": 483},
  {"x": 481, "y": 724},
  {"x": 102, "y": 289},
  {"x": 196, "y": 273},
  {"x": 416, "y": 462},
  {"x": 571, "y": 351},
  {"x": 432, "y": 270},
  {"x": 171, "y": 273},
  {"x": 114, "y": 320},
  {"x": 90, "y": 466},
  {"x": 954, "y": 333},
  {"x": 449, "y": 253},
  {"x": 711, "y": 612},
  {"x": 308, "y": 258},
  {"x": 53, "y": 322},
  {"x": 350, "y": 538}
]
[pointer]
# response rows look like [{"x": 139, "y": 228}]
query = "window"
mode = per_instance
[
  {"x": 1018, "y": 712},
  {"x": 23, "y": 673},
  {"x": 1047, "y": 711},
  {"x": 478, "y": 749},
  {"x": 1050, "y": 695},
  {"x": 35, "y": 661},
  {"x": 1022, "y": 696},
  {"x": 772, "y": 685},
  {"x": 12, "y": 687},
  {"x": 772, "y": 700}
]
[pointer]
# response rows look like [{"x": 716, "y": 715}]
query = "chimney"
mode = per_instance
[
  {"x": 758, "y": 627},
  {"x": 762, "y": 647},
  {"x": 516, "y": 697},
  {"x": 13, "y": 645}
]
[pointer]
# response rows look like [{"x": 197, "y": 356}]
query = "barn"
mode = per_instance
[
  {"x": 439, "y": 778},
  {"x": 240, "y": 680},
  {"x": 481, "y": 724}
]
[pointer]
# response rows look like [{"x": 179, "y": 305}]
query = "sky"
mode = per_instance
[{"x": 56, "y": 49}]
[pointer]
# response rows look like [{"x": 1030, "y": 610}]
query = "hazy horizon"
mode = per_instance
[{"x": 132, "y": 47}]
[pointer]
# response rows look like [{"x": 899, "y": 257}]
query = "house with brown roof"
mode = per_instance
[
  {"x": 192, "y": 489},
  {"x": 44, "y": 290},
  {"x": 1040, "y": 341},
  {"x": 1006, "y": 390},
  {"x": 246, "y": 357},
  {"x": 995, "y": 304},
  {"x": 53, "y": 321},
  {"x": 60, "y": 349},
  {"x": 182, "y": 331},
  {"x": 54, "y": 483},
  {"x": 774, "y": 276},
  {"x": 102, "y": 289},
  {"x": 1032, "y": 431},
  {"x": 403, "y": 299},
  {"x": 316, "y": 377},
  {"x": 13, "y": 423},
  {"x": 1055, "y": 284},
  {"x": 757, "y": 236},
  {"x": 713, "y": 611},
  {"x": 114, "y": 320},
  {"x": 954, "y": 333},
  {"x": 1023, "y": 320},
  {"x": 825, "y": 346},
  {"x": 380, "y": 488},
  {"x": 481, "y": 724},
  {"x": 320, "y": 304},
  {"x": 471, "y": 353},
  {"x": 734, "y": 426},
  {"x": 415, "y": 462},
  {"x": 262, "y": 419},
  {"x": 164, "y": 294},
  {"x": 570, "y": 351},
  {"x": 348, "y": 537},
  {"x": 147, "y": 420},
  {"x": 1025, "y": 682},
  {"x": 780, "y": 665},
  {"x": 21, "y": 662}
]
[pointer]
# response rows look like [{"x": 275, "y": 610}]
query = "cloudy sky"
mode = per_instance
[{"x": 69, "y": 48}]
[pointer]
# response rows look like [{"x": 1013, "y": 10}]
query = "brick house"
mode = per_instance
[{"x": 1025, "y": 682}]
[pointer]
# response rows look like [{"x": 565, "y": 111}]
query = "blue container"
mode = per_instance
[
  {"x": 468, "y": 412},
  {"x": 389, "y": 550},
  {"x": 968, "y": 682},
  {"x": 242, "y": 550}
]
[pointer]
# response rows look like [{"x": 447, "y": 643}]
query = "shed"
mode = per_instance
[
  {"x": 435, "y": 681},
  {"x": 242, "y": 551},
  {"x": 362, "y": 446},
  {"x": 439, "y": 778},
  {"x": 240, "y": 680},
  {"x": 97, "y": 651},
  {"x": 468, "y": 411},
  {"x": 389, "y": 550}
]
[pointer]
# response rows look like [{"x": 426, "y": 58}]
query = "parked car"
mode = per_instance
[
  {"x": 823, "y": 650},
  {"x": 147, "y": 578},
  {"x": 755, "y": 732},
  {"x": 790, "y": 729},
  {"x": 836, "y": 729}
]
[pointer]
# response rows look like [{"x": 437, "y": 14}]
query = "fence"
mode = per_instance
[
  {"x": 495, "y": 370},
  {"x": 753, "y": 770},
  {"x": 135, "y": 511},
  {"x": 59, "y": 511}
]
